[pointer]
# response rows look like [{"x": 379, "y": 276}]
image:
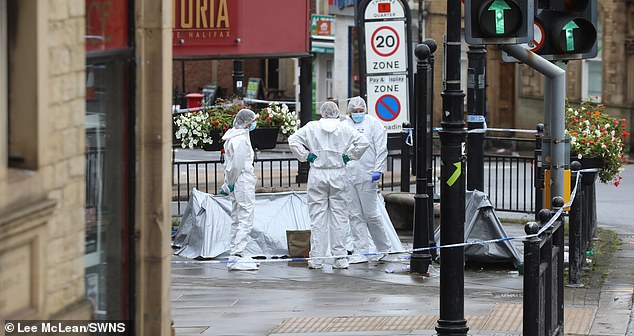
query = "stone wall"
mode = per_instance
[{"x": 42, "y": 208}]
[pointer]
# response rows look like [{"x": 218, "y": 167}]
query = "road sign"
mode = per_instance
[
  {"x": 385, "y": 58},
  {"x": 384, "y": 9},
  {"x": 387, "y": 107},
  {"x": 538, "y": 37},
  {"x": 387, "y": 100},
  {"x": 534, "y": 46},
  {"x": 386, "y": 49}
]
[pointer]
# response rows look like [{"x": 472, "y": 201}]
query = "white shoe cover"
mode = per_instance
[{"x": 340, "y": 263}]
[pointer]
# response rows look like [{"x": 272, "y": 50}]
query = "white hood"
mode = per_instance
[
  {"x": 234, "y": 132},
  {"x": 329, "y": 125}
]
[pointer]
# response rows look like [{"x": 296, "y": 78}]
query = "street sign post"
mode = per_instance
[{"x": 386, "y": 60}]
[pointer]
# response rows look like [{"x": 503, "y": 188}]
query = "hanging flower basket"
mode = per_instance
[{"x": 597, "y": 137}]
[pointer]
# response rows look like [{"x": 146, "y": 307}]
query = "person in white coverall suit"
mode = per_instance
[
  {"x": 364, "y": 176},
  {"x": 239, "y": 184},
  {"x": 328, "y": 144}
]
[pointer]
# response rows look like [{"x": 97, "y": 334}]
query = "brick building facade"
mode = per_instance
[{"x": 61, "y": 102}]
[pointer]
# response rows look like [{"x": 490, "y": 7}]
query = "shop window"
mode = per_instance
[{"x": 109, "y": 157}]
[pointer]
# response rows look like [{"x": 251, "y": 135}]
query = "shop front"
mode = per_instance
[{"x": 109, "y": 156}]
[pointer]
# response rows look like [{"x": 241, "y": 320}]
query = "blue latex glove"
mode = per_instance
[
  {"x": 376, "y": 176},
  {"x": 230, "y": 187},
  {"x": 346, "y": 158},
  {"x": 223, "y": 193},
  {"x": 311, "y": 157}
]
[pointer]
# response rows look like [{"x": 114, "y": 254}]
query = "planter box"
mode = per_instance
[
  {"x": 264, "y": 138},
  {"x": 588, "y": 162}
]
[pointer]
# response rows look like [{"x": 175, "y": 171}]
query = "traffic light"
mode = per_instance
[
  {"x": 569, "y": 28},
  {"x": 499, "y": 21}
]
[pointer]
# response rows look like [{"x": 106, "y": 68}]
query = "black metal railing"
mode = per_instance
[
  {"x": 582, "y": 221},
  {"x": 508, "y": 179},
  {"x": 544, "y": 273}
]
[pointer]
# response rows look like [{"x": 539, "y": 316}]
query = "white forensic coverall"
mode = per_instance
[
  {"x": 329, "y": 139},
  {"x": 239, "y": 173},
  {"x": 364, "y": 210}
]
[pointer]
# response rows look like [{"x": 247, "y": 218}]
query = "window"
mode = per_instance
[
  {"x": 592, "y": 71},
  {"x": 329, "y": 92},
  {"x": 23, "y": 82},
  {"x": 3, "y": 90}
]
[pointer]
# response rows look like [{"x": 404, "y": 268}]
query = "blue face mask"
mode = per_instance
[
  {"x": 357, "y": 117},
  {"x": 252, "y": 127}
]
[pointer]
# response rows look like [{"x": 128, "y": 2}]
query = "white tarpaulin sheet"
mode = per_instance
[{"x": 205, "y": 229}]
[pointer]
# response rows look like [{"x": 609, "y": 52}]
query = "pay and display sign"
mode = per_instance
[{"x": 387, "y": 100}]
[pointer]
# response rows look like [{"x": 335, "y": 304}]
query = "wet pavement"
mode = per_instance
[
  {"x": 380, "y": 298},
  {"x": 377, "y": 298}
]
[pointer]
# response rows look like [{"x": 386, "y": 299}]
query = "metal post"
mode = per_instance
[
  {"x": 531, "y": 300},
  {"x": 405, "y": 157},
  {"x": 452, "y": 202},
  {"x": 592, "y": 206},
  {"x": 430, "y": 148},
  {"x": 421, "y": 260},
  {"x": 574, "y": 234},
  {"x": 306, "y": 106},
  {"x": 238, "y": 78},
  {"x": 421, "y": 22},
  {"x": 558, "y": 243},
  {"x": 539, "y": 170},
  {"x": 476, "y": 108},
  {"x": 554, "y": 102}
]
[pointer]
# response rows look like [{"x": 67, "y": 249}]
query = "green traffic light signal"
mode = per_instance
[
  {"x": 499, "y": 18},
  {"x": 499, "y": 6},
  {"x": 499, "y": 21},
  {"x": 570, "y": 38},
  {"x": 569, "y": 28}
]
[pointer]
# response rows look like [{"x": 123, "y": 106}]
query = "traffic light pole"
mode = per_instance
[
  {"x": 476, "y": 107},
  {"x": 554, "y": 116},
  {"x": 452, "y": 190}
]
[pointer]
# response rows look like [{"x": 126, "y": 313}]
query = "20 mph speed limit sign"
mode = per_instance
[{"x": 386, "y": 51}]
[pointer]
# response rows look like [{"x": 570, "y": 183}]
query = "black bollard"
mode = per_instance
[
  {"x": 421, "y": 260},
  {"x": 429, "y": 151}
]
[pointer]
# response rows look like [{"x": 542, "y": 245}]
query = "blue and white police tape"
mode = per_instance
[{"x": 275, "y": 259}]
